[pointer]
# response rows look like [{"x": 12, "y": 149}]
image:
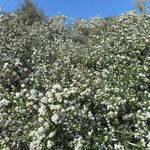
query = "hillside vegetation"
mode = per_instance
[{"x": 84, "y": 86}]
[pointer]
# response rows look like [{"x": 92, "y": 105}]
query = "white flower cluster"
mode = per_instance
[
  {"x": 86, "y": 87},
  {"x": 4, "y": 102}
]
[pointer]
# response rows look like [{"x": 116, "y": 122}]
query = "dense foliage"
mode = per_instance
[{"x": 84, "y": 86}]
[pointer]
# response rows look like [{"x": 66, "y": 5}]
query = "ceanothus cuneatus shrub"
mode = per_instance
[{"x": 83, "y": 87}]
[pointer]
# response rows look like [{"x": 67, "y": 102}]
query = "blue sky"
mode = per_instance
[{"x": 75, "y": 8}]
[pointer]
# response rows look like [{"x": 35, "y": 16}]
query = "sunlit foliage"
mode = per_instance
[{"x": 84, "y": 86}]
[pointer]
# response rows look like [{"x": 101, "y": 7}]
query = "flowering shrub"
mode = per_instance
[{"x": 60, "y": 93}]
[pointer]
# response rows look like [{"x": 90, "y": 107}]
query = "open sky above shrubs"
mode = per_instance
[{"x": 75, "y": 8}]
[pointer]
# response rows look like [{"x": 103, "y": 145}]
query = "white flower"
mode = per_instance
[
  {"x": 44, "y": 100},
  {"x": 34, "y": 145},
  {"x": 72, "y": 107},
  {"x": 41, "y": 130},
  {"x": 58, "y": 117},
  {"x": 118, "y": 147},
  {"x": 5, "y": 65},
  {"x": 35, "y": 107},
  {"x": 59, "y": 97},
  {"x": 52, "y": 134},
  {"x": 148, "y": 114},
  {"x": 27, "y": 95},
  {"x": 86, "y": 92},
  {"x": 145, "y": 68},
  {"x": 79, "y": 144},
  {"x": 40, "y": 94},
  {"x": 50, "y": 100},
  {"x": 143, "y": 142},
  {"x": 90, "y": 132},
  {"x": 46, "y": 125},
  {"x": 148, "y": 136},
  {"x": 32, "y": 133},
  {"x": 105, "y": 72},
  {"x": 40, "y": 119},
  {"x": 49, "y": 94},
  {"x": 34, "y": 93},
  {"x": 90, "y": 114},
  {"x": 23, "y": 85},
  {"x": 53, "y": 91},
  {"x": 41, "y": 137},
  {"x": 55, "y": 107},
  {"x": 4, "y": 102},
  {"x": 6, "y": 148},
  {"x": 148, "y": 145},
  {"x": 55, "y": 118},
  {"x": 56, "y": 87},
  {"x": 18, "y": 62},
  {"x": 42, "y": 110},
  {"x": 17, "y": 95},
  {"x": 50, "y": 144}
]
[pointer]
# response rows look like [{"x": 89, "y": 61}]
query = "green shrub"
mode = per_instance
[
  {"x": 59, "y": 94},
  {"x": 29, "y": 13}
]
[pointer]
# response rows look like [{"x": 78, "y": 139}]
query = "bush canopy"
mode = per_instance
[{"x": 85, "y": 86}]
